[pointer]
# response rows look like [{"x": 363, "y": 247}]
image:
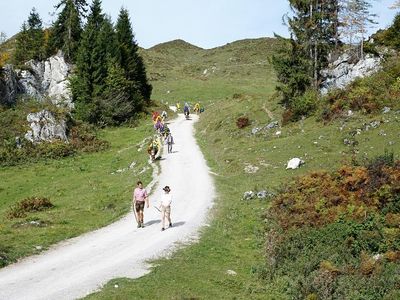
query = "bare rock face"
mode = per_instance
[
  {"x": 55, "y": 80},
  {"x": 343, "y": 71},
  {"x": 8, "y": 86},
  {"x": 48, "y": 79},
  {"x": 40, "y": 80},
  {"x": 45, "y": 128}
]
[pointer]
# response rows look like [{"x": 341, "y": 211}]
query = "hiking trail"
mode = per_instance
[{"x": 77, "y": 267}]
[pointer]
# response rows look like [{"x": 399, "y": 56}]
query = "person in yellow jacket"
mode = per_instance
[{"x": 197, "y": 108}]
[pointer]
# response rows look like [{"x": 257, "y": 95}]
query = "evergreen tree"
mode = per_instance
[
  {"x": 67, "y": 29},
  {"x": 314, "y": 36},
  {"x": 128, "y": 57},
  {"x": 30, "y": 42},
  {"x": 21, "y": 46},
  {"x": 118, "y": 103},
  {"x": 36, "y": 36},
  {"x": 88, "y": 67},
  {"x": 103, "y": 50}
]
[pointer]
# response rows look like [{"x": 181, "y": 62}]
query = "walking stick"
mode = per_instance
[
  {"x": 157, "y": 208},
  {"x": 134, "y": 211}
]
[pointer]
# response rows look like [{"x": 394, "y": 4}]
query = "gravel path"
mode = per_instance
[{"x": 77, "y": 267}]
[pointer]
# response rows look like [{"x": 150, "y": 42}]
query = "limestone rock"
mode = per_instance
[
  {"x": 343, "y": 71},
  {"x": 39, "y": 80},
  {"x": 250, "y": 169},
  {"x": 294, "y": 163},
  {"x": 8, "y": 86},
  {"x": 45, "y": 128},
  {"x": 248, "y": 195}
]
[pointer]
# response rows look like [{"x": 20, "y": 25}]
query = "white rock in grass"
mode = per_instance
[
  {"x": 231, "y": 273},
  {"x": 250, "y": 169},
  {"x": 248, "y": 195},
  {"x": 294, "y": 163}
]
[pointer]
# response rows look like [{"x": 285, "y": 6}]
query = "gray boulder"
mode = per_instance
[
  {"x": 272, "y": 125},
  {"x": 45, "y": 128}
]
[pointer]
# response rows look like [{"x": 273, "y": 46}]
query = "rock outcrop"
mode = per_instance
[
  {"x": 343, "y": 71},
  {"x": 45, "y": 128},
  {"x": 40, "y": 80},
  {"x": 9, "y": 87}
]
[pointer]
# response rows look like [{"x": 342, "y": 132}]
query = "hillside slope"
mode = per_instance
[{"x": 180, "y": 71}]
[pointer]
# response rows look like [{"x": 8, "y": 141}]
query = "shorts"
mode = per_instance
[
  {"x": 166, "y": 209},
  {"x": 139, "y": 206}
]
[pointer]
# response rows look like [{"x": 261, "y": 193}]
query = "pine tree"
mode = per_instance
[
  {"x": 67, "y": 29},
  {"x": 88, "y": 68},
  {"x": 36, "y": 36},
  {"x": 30, "y": 42},
  {"x": 21, "y": 46},
  {"x": 128, "y": 57},
  {"x": 314, "y": 36},
  {"x": 103, "y": 50},
  {"x": 119, "y": 101}
]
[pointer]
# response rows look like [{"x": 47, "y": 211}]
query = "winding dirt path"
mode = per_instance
[{"x": 79, "y": 266}]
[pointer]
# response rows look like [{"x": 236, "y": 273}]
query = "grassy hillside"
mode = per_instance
[
  {"x": 232, "y": 81},
  {"x": 180, "y": 71},
  {"x": 243, "y": 85}
]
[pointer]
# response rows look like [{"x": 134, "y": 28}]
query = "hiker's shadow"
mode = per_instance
[
  {"x": 177, "y": 224},
  {"x": 152, "y": 222}
]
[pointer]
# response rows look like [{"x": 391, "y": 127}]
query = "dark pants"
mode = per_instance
[{"x": 169, "y": 147}]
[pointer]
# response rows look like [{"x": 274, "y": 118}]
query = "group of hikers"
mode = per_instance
[
  {"x": 163, "y": 135},
  {"x": 186, "y": 109}
]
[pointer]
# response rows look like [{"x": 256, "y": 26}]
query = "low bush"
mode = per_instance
[
  {"x": 352, "y": 192},
  {"x": 324, "y": 230},
  {"x": 32, "y": 204},
  {"x": 242, "y": 122}
]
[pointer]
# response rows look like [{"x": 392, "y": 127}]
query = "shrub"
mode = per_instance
[
  {"x": 319, "y": 198},
  {"x": 336, "y": 235},
  {"x": 304, "y": 105},
  {"x": 242, "y": 122},
  {"x": 32, "y": 204}
]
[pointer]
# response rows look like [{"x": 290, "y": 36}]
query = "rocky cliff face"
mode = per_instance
[
  {"x": 40, "y": 80},
  {"x": 9, "y": 87},
  {"x": 343, "y": 71}
]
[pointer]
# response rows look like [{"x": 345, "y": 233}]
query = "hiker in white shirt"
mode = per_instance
[{"x": 165, "y": 207}]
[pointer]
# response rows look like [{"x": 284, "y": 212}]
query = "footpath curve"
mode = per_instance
[{"x": 77, "y": 267}]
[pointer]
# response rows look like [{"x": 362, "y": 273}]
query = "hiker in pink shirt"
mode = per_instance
[{"x": 139, "y": 199}]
